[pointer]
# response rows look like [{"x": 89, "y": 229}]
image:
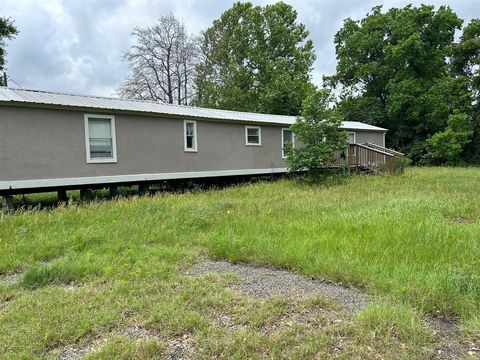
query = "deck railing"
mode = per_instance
[
  {"x": 378, "y": 147},
  {"x": 371, "y": 157}
]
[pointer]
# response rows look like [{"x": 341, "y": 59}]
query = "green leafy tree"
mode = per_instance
[
  {"x": 466, "y": 63},
  {"x": 255, "y": 59},
  {"x": 7, "y": 31},
  {"x": 366, "y": 109},
  {"x": 447, "y": 146},
  {"x": 393, "y": 72},
  {"x": 317, "y": 132},
  {"x": 466, "y": 56}
]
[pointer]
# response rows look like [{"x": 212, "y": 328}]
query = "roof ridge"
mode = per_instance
[{"x": 145, "y": 101}]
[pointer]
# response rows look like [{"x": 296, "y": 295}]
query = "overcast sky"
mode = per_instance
[{"x": 76, "y": 45}]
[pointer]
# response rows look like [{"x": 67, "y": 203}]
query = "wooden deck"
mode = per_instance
[{"x": 370, "y": 157}]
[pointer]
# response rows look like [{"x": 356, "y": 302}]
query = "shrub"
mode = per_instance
[
  {"x": 317, "y": 133},
  {"x": 447, "y": 146}
]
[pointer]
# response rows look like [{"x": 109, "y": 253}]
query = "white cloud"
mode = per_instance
[{"x": 76, "y": 46}]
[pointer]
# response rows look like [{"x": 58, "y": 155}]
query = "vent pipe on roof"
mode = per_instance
[{"x": 5, "y": 79}]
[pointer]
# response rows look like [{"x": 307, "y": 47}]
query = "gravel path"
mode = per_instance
[{"x": 266, "y": 281}]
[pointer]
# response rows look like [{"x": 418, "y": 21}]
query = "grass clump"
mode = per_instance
[
  {"x": 57, "y": 274},
  {"x": 122, "y": 348},
  {"x": 387, "y": 321}
]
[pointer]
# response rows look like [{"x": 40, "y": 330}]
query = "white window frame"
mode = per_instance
[
  {"x": 354, "y": 142},
  {"x": 354, "y": 136},
  {"x": 113, "y": 159},
  {"x": 259, "y": 136},
  {"x": 195, "y": 142},
  {"x": 293, "y": 142}
]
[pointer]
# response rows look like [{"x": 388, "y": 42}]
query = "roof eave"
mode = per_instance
[
  {"x": 131, "y": 112},
  {"x": 371, "y": 130}
]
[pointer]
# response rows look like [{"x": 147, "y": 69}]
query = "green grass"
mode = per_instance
[{"x": 412, "y": 241}]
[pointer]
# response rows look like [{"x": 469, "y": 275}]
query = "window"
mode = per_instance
[
  {"x": 287, "y": 137},
  {"x": 100, "y": 139},
  {"x": 253, "y": 135},
  {"x": 352, "y": 138},
  {"x": 190, "y": 131}
]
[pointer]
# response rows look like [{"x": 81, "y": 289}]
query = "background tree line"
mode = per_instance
[
  {"x": 7, "y": 31},
  {"x": 401, "y": 69},
  {"x": 251, "y": 59}
]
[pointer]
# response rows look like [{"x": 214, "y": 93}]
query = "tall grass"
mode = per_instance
[
  {"x": 413, "y": 238},
  {"x": 416, "y": 236}
]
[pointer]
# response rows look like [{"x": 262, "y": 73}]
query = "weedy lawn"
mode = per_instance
[{"x": 80, "y": 276}]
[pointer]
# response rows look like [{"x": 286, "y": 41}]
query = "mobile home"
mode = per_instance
[{"x": 61, "y": 141}]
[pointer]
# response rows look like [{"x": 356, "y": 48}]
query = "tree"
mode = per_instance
[
  {"x": 466, "y": 63},
  {"x": 447, "y": 146},
  {"x": 7, "y": 31},
  {"x": 317, "y": 130},
  {"x": 162, "y": 63},
  {"x": 466, "y": 56},
  {"x": 366, "y": 109},
  {"x": 255, "y": 59},
  {"x": 392, "y": 69}
]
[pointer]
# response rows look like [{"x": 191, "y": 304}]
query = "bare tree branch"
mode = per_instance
[{"x": 162, "y": 63}]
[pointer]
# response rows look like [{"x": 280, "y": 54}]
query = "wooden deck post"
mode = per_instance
[
  {"x": 86, "y": 195},
  {"x": 62, "y": 196},
  {"x": 7, "y": 202}
]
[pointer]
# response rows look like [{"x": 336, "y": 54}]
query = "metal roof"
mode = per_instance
[
  {"x": 47, "y": 98},
  {"x": 357, "y": 125}
]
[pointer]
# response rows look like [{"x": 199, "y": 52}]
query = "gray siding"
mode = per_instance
[
  {"x": 374, "y": 137},
  {"x": 40, "y": 144},
  {"x": 46, "y": 144}
]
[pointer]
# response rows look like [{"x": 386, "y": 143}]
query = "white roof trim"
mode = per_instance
[{"x": 48, "y": 98}]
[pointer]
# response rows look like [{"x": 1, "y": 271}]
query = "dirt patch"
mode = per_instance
[
  {"x": 263, "y": 282},
  {"x": 463, "y": 219},
  {"x": 227, "y": 322},
  {"x": 70, "y": 288},
  {"x": 309, "y": 318},
  {"x": 452, "y": 343},
  {"x": 71, "y": 354},
  {"x": 11, "y": 279},
  {"x": 75, "y": 353},
  {"x": 140, "y": 333},
  {"x": 177, "y": 348},
  {"x": 180, "y": 348},
  {"x": 15, "y": 277}
]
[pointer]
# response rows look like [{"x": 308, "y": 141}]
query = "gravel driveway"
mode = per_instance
[{"x": 266, "y": 281}]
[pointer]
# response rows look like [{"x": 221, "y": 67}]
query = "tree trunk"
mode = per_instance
[
  {"x": 169, "y": 77},
  {"x": 185, "y": 85}
]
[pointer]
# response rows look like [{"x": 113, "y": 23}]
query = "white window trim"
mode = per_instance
[
  {"x": 195, "y": 148},
  {"x": 259, "y": 136},
  {"x": 113, "y": 159},
  {"x": 354, "y": 136},
  {"x": 293, "y": 142}
]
